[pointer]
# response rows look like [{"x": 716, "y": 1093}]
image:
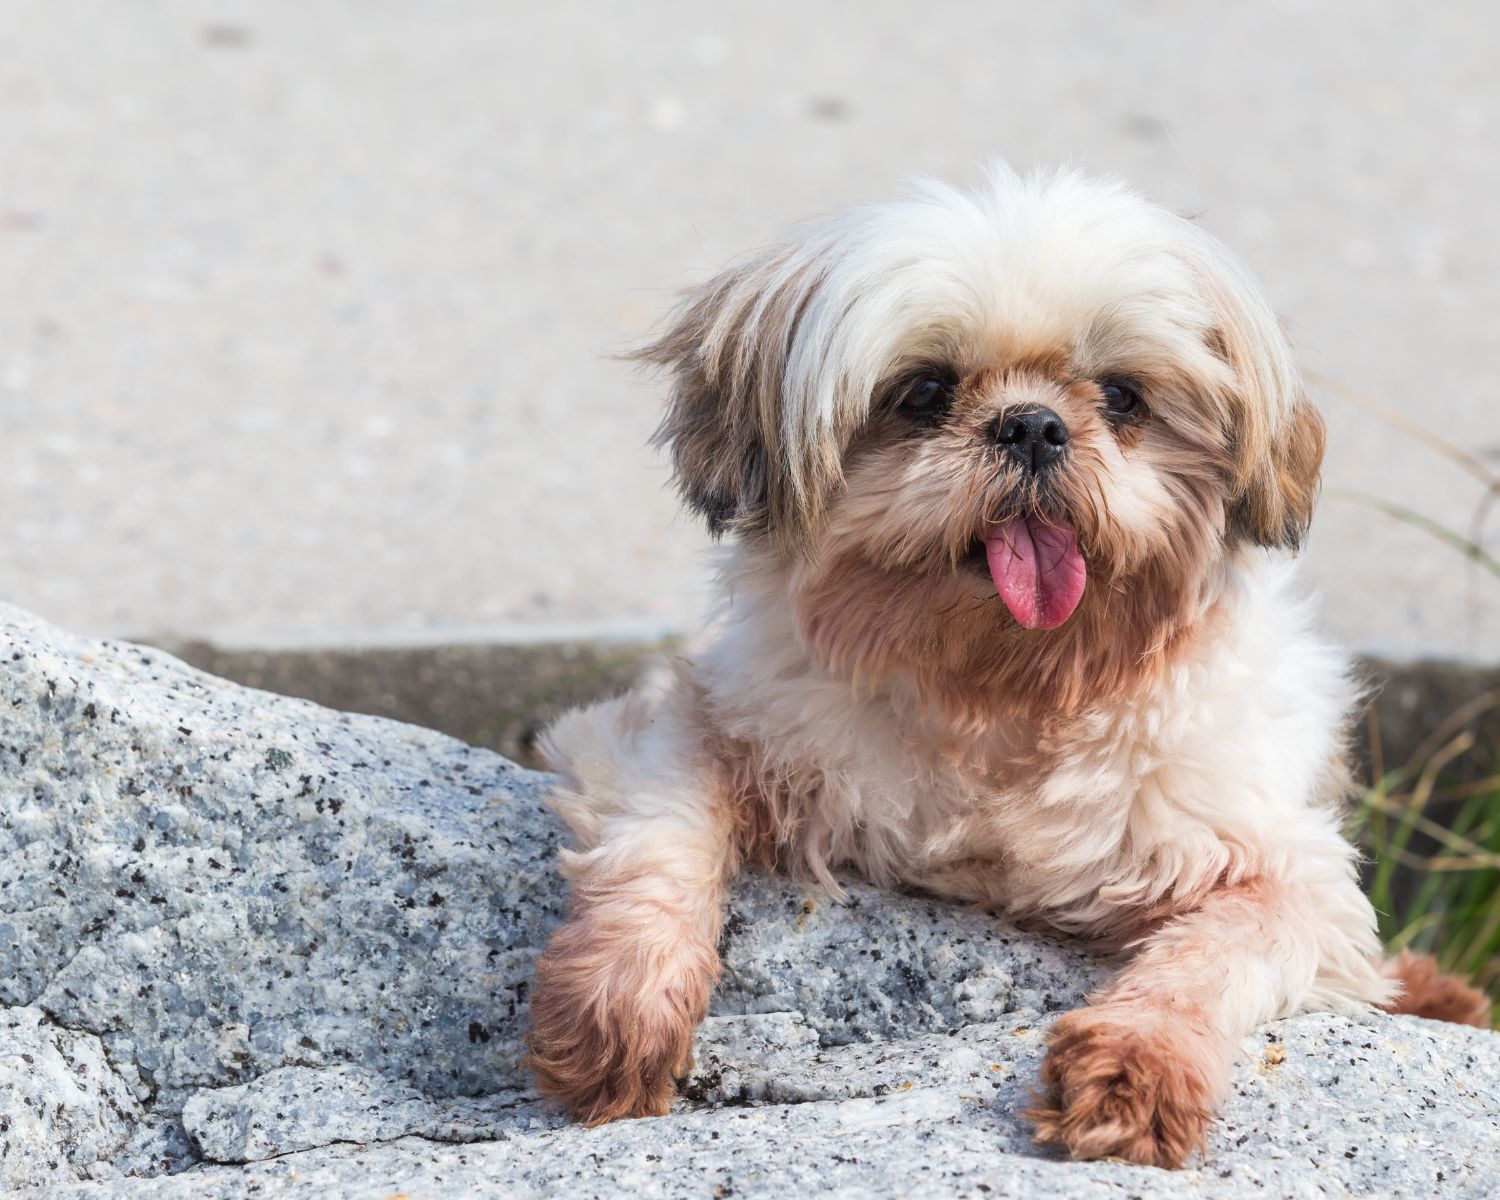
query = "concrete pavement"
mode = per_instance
[{"x": 306, "y": 309}]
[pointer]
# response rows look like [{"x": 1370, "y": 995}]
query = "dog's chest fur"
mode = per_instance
[{"x": 1212, "y": 772}]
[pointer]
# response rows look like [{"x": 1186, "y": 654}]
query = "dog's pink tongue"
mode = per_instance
[{"x": 1037, "y": 570}]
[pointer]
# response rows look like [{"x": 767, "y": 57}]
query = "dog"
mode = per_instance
[{"x": 1011, "y": 480}]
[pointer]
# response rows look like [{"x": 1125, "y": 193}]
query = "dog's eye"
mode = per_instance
[
  {"x": 1121, "y": 398},
  {"x": 927, "y": 397}
]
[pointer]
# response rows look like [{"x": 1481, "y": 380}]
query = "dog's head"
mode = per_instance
[{"x": 1006, "y": 439}]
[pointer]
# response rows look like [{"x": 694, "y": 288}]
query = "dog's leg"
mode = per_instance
[
  {"x": 1138, "y": 1074},
  {"x": 626, "y": 979}
]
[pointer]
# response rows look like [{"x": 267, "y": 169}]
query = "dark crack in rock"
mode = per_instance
[{"x": 301, "y": 1108}]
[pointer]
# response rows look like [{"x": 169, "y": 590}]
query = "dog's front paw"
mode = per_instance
[
  {"x": 1133, "y": 1082},
  {"x": 611, "y": 1033}
]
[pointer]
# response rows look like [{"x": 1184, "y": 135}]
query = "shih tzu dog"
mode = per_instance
[{"x": 1011, "y": 478}]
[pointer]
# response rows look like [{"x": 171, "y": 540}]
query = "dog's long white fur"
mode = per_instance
[{"x": 1194, "y": 815}]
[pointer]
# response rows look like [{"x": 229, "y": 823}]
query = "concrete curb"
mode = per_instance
[
  {"x": 490, "y": 691},
  {"x": 497, "y": 686}
]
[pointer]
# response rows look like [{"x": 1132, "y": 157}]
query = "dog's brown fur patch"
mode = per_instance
[
  {"x": 727, "y": 347},
  {"x": 614, "y": 1006},
  {"x": 1277, "y": 504},
  {"x": 1129, "y": 1081},
  {"x": 1429, "y": 992}
]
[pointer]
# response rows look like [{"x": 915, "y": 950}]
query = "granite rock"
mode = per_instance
[
  {"x": 300, "y": 1108},
  {"x": 251, "y": 945},
  {"x": 62, "y": 1106},
  {"x": 1323, "y": 1106}
]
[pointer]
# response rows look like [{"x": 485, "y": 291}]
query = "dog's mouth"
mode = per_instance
[{"x": 1036, "y": 567}]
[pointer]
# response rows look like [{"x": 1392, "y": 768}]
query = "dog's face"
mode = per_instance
[{"x": 1004, "y": 441}]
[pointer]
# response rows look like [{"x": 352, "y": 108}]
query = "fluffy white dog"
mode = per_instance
[{"x": 1011, "y": 476}]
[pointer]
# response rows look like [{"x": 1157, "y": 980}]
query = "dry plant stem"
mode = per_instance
[
  {"x": 1473, "y": 545},
  {"x": 1396, "y": 846},
  {"x": 1469, "y": 549},
  {"x": 1473, "y": 465}
]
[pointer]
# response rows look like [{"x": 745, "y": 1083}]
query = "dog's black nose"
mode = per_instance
[{"x": 1034, "y": 436}]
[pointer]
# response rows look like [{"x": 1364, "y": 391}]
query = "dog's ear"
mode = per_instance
[
  {"x": 1274, "y": 433},
  {"x": 729, "y": 417},
  {"x": 1279, "y": 491}
]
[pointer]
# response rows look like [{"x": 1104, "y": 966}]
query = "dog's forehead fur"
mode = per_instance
[
  {"x": 1013, "y": 271},
  {"x": 779, "y": 359}
]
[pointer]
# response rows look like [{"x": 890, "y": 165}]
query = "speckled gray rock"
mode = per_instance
[
  {"x": 300, "y": 940},
  {"x": 62, "y": 1107},
  {"x": 1324, "y": 1107},
  {"x": 299, "y": 1108}
]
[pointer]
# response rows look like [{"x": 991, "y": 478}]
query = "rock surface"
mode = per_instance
[
  {"x": 250, "y": 945},
  {"x": 62, "y": 1106}
]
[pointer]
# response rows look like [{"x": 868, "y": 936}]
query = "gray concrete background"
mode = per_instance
[{"x": 306, "y": 308}]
